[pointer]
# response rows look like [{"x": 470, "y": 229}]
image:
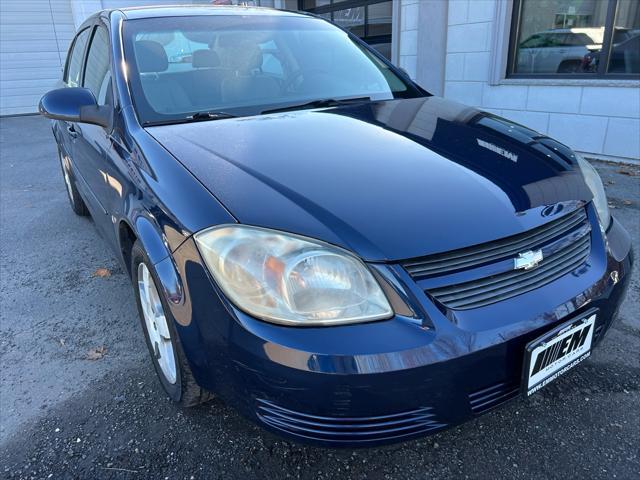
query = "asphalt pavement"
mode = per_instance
[{"x": 79, "y": 398}]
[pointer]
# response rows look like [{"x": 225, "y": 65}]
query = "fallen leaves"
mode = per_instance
[
  {"x": 629, "y": 173},
  {"x": 626, "y": 203},
  {"x": 102, "y": 273},
  {"x": 97, "y": 353}
]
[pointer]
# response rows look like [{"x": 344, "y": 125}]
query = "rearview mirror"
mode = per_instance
[{"x": 74, "y": 105}]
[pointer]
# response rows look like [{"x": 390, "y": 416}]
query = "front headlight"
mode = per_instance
[
  {"x": 594, "y": 183},
  {"x": 290, "y": 280}
]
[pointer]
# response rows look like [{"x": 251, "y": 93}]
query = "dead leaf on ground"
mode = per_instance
[
  {"x": 102, "y": 273},
  {"x": 97, "y": 353},
  {"x": 630, "y": 173},
  {"x": 627, "y": 202}
]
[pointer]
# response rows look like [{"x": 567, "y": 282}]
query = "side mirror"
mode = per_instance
[{"x": 74, "y": 105}]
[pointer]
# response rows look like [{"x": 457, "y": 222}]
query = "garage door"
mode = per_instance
[{"x": 34, "y": 37}]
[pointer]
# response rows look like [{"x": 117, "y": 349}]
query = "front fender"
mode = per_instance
[
  {"x": 159, "y": 254},
  {"x": 152, "y": 240}
]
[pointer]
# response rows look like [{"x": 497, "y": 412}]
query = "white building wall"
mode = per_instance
[
  {"x": 598, "y": 117},
  {"x": 34, "y": 40},
  {"x": 34, "y": 37},
  {"x": 409, "y": 10}
]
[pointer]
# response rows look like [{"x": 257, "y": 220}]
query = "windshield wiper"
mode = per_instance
[
  {"x": 212, "y": 115},
  {"x": 195, "y": 117},
  {"x": 325, "y": 102}
]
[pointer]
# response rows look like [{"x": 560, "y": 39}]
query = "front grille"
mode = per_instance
[
  {"x": 487, "y": 398},
  {"x": 514, "y": 282},
  {"x": 572, "y": 244},
  {"x": 348, "y": 429},
  {"x": 464, "y": 258}
]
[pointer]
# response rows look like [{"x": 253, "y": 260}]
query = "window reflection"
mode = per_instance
[
  {"x": 556, "y": 35},
  {"x": 379, "y": 19},
  {"x": 351, "y": 19},
  {"x": 577, "y": 37},
  {"x": 370, "y": 20},
  {"x": 307, "y": 4},
  {"x": 625, "y": 52}
]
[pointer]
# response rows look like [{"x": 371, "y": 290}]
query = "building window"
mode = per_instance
[
  {"x": 575, "y": 39},
  {"x": 368, "y": 19}
]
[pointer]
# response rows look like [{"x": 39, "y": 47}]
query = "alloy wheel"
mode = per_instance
[
  {"x": 156, "y": 323},
  {"x": 67, "y": 178}
]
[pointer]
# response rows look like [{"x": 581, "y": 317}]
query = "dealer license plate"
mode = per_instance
[{"x": 557, "y": 352}]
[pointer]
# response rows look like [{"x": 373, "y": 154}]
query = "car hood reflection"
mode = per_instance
[{"x": 389, "y": 180}]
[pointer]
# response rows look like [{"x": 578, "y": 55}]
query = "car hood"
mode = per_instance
[{"x": 388, "y": 180}]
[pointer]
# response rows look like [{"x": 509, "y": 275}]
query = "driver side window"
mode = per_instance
[
  {"x": 97, "y": 74},
  {"x": 74, "y": 62}
]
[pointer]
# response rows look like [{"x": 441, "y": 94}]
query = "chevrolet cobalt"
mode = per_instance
[{"x": 312, "y": 237}]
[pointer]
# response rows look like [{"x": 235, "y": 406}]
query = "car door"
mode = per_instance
[
  {"x": 552, "y": 54},
  {"x": 529, "y": 51},
  {"x": 93, "y": 143},
  {"x": 71, "y": 78}
]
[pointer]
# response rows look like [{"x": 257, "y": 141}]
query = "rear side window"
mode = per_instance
[
  {"x": 535, "y": 41},
  {"x": 96, "y": 74},
  {"x": 579, "y": 39},
  {"x": 74, "y": 62}
]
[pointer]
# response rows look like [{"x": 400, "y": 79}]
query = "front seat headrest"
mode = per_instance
[
  {"x": 205, "y": 58},
  {"x": 151, "y": 56},
  {"x": 245, "y": 58}
]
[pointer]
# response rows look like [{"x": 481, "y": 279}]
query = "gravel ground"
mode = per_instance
[{"x": 63, "y": 415}]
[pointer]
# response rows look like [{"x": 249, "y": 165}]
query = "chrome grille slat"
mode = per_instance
[
  {"x": 500, "y": 279},
  {"x": 566, "y": 243},
  {"x": 537, "y": 278},
  {"x": 339, "y": 433},
  {"x": 537, "y": 282},
  {"x": 488, "y": 398},
  {"x": 412, "y": 419},
  {"x": 522, "y": 287},
  {"x": 471, "y": 260},
  {"x": 404, "y": 424},
  {"x": 468, "y": 257}
]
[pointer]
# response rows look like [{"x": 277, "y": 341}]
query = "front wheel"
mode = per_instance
[
  {"x": 77, "y": 204},
  {"x": 160, "y": 334}
]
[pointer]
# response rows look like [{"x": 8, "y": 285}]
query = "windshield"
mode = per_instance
[{"x": 243, "y": 65}]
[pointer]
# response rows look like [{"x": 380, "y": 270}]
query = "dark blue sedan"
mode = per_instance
[{"x": 312, "y": 237}]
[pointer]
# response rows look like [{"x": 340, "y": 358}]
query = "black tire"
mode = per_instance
[
  {"x": 77, "y": 204},
  {"x": 184, "y": 391}
]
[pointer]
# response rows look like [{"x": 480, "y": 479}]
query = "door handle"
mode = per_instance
[{"x": 73, "y": 133}]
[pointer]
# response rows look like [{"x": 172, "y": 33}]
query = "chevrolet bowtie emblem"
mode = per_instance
[{"x": 527, "y": 260}]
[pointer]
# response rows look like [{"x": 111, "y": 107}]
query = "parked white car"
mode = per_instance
[{"x": 558, "y": 51}]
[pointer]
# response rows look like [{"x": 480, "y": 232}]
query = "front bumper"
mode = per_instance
[{"x": 375, "y": 383}]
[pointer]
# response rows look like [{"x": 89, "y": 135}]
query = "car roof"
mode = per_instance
[
  {"x": 131, "y": 13},
  {"x": 572, "y": 30}
]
